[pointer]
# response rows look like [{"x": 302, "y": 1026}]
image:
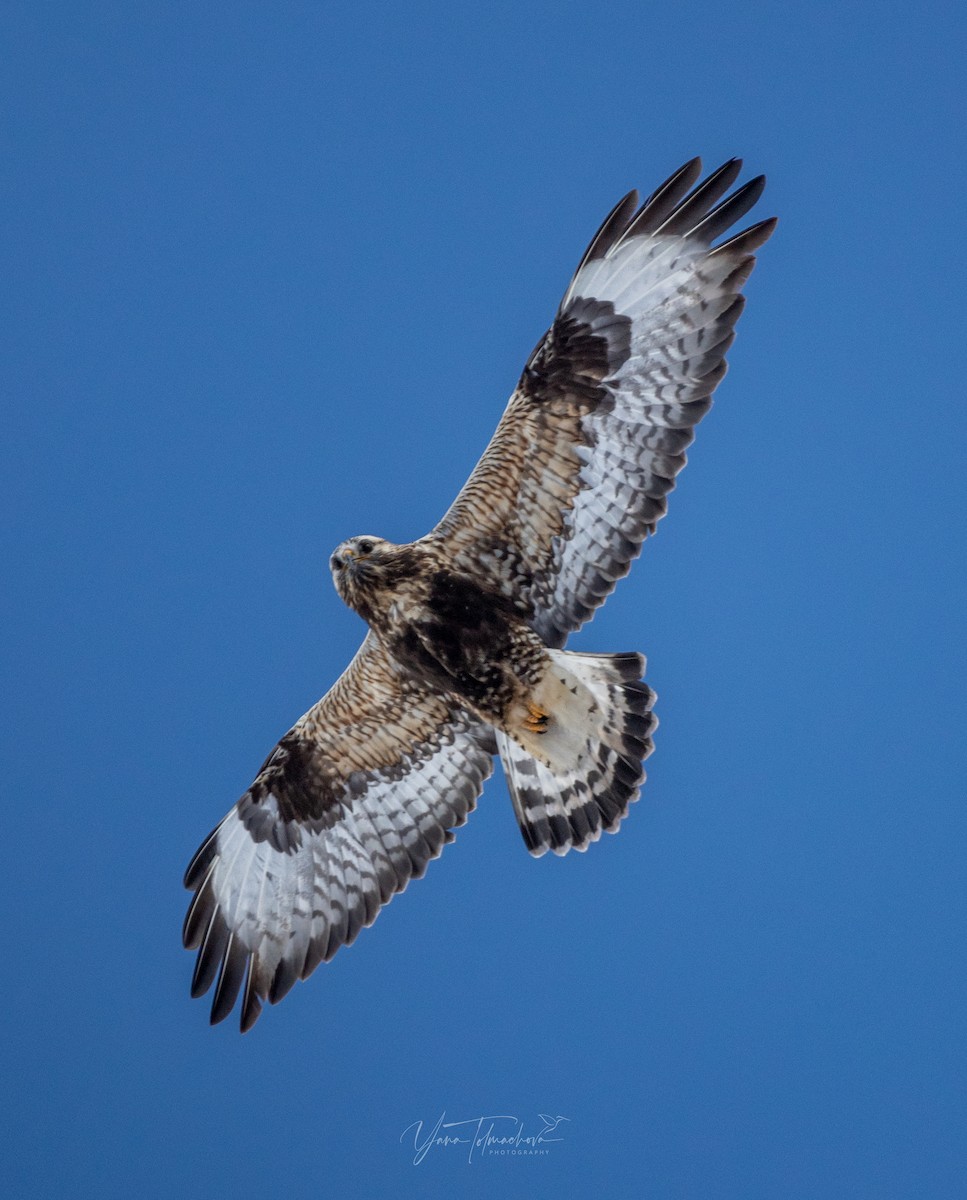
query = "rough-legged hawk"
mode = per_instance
[{"x": 464, "y": 656}]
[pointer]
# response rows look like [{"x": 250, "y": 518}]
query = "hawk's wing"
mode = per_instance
[
  {"x": 578, "y": 471},
  {"x": 353, "y": 803}
]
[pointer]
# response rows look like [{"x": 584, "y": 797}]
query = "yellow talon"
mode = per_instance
[{"x": 536, "y": 719}]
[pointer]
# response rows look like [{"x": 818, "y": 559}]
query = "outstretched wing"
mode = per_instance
[
  {"x": 579, "y": 469},
  {"x": 351, "y": 804}
]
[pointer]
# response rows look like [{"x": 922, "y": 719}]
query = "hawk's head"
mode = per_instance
[{"x": 361, "y": 567}]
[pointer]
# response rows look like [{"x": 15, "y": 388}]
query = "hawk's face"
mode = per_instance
[{"x": 359, "y": 568}]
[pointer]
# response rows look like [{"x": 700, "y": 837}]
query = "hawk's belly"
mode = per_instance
[{"x": 463, "y": 639}]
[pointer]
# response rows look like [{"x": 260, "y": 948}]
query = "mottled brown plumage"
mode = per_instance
[
  {"x": 451, "y": 631},
  {"x": 464, "y": 655}
]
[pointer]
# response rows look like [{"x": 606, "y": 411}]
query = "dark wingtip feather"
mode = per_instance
[
  {"x": 286, "y": 973},
  {"x": 732, "y": 209},
  {"x": 749, "y": 240},
  {"x": 198, "y": 915},
  {"x": 251, "y": 1004},
  {"x": 683, "y": 178},
  {"x": 210, "y": 955},
  {"x": 199, "y": 864},
  {"x": 229, "y": 980},
  {"x": 612, "y": 227},
  {"x": 694, "y": 207},
  {"x": 314, "y": 954},
  {"x": 664, "y": 198}
]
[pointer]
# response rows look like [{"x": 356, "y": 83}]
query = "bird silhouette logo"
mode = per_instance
[{"x": 550, "y": 1124}]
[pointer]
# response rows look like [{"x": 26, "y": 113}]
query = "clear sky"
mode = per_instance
[{"x": 270, "y": 272}]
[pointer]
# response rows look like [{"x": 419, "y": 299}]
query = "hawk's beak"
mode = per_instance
[{"x": 342, "y": 559}]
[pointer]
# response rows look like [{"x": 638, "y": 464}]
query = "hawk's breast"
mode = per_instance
[{"x": 464, "y": 638}]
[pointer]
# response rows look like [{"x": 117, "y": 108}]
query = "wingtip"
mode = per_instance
[
  {"x": 748, "y": 241},
  {"x": 728, "y": 171},
  {"x": 688, "y": 171},
  {"x": 755, "y": 187},
  {"x": 200, "y": 861},
  {"x": 251, "y": 1002}
]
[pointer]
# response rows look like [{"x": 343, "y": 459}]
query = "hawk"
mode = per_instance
[{"x": 464, "y": 657}]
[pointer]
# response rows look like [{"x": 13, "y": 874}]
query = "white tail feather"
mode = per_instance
[{"x": 579, "y": 775}]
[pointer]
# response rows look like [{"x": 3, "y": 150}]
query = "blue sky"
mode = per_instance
[{"x": 271, "y": 272}]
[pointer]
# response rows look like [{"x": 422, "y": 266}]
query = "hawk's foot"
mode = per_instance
[{"x": 536, "y": 719}]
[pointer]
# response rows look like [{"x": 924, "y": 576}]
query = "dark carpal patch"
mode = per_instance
[
  {"x": 583, "y": 347},
  {"x": 294, "y": 788}
]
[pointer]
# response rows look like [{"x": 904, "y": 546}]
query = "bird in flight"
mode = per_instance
[{"x": 464, "y": 657}]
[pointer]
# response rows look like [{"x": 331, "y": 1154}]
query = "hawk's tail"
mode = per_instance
[{"x": 578, "y": 773}]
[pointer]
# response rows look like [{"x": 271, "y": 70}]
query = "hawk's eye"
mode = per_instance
[{"x": 365, "y": 546}]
